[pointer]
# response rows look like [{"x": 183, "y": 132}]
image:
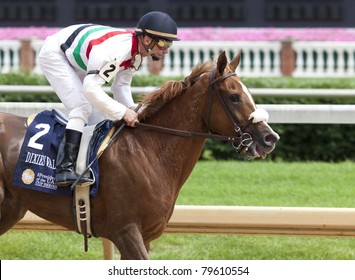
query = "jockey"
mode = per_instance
[{"x": 78, "y": 60}]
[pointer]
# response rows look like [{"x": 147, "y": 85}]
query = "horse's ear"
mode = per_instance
[
  {"x": 222, "y": 62},
  {"x": 235, "y": 62}
]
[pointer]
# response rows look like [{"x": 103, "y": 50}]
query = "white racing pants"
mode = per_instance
[{"x": 67, "y": 83}]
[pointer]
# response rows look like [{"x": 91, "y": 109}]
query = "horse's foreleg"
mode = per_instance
[{"x": 130, "y": 243}]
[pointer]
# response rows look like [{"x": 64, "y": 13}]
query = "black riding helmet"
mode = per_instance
[{"x": 157, "y": 25}]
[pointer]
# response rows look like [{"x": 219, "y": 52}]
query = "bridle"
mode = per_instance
[{"x": 240, "y": 142}]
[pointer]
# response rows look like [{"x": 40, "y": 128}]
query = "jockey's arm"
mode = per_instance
[
  {"x": 100, "y": 99},
  {"x": 121, "y": 88}
]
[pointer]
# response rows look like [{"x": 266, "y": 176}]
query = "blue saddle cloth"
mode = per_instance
[{"x": 36, "y": 164}]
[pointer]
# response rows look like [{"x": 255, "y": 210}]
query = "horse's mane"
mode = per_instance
[{"x": 155, "y": 100}]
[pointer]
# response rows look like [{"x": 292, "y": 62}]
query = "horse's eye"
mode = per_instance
[{"x": 234, "y": 98}]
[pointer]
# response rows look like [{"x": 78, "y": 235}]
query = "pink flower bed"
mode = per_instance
[{"x": 214, "y": 34}]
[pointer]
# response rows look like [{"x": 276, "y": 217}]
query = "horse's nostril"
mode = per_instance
[{"x": 271, "y": 139}]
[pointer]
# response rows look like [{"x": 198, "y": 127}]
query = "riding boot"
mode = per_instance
[{"x": 66, "y": 159}]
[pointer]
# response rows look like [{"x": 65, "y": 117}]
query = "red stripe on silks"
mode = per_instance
[
  {"x": 128, "y": 63},
  {"x": 134, "y": 45},
  {"x": 102, "y": 39}
]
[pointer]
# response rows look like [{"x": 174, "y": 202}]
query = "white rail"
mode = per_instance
[
  {"x": 278, "y": 92},
  {"x": 311, "y": 114},
  {"x": 285, "y": 113}
]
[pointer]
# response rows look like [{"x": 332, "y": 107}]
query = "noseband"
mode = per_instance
[{"x": 240, "y": 142}]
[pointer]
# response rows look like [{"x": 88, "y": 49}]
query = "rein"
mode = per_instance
[
  {"x": 185, "y": 133},
  {"x": 240, "y": 141}
]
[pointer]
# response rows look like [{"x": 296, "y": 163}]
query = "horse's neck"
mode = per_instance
[
  {"x": 181, "y": 153},
  {"x": 183, "y": 113}
]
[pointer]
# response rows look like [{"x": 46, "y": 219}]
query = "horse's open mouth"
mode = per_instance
[
  {"x": 260, "y": 151},
  {"x": 256, "y": 151}
]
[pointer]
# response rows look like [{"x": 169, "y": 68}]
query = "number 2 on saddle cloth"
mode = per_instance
[{"x": 36, "y": 164}]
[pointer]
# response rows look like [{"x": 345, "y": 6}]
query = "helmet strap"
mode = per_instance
[
  {"x": 150, "y": 47},
  {"x": 155, "y": 58}
]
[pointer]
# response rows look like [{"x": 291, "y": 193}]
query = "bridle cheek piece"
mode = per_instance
[{"x": 243, "y": 140}]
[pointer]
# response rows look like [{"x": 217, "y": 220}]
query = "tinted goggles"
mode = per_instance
[{"x": 165, "y": 44}]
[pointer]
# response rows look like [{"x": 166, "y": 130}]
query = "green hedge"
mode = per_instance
[{"x": 299, "y": 142}]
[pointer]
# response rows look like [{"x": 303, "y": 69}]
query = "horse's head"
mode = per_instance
[
  {"x": 227, "y": 107},
  {"x": 232, "y": 111}
]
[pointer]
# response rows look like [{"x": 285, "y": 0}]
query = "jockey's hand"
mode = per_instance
[{"x": 130, "y": 117}]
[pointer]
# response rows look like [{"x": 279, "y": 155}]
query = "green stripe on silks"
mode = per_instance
[{"x": 76, "y": 52}]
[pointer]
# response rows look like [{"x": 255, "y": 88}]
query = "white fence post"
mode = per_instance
[
  {"x": 36, "y": 45},
  {"x": 9, "y": 55}
]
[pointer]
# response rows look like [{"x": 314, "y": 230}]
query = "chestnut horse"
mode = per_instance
[{"x": 142, "y": 171}]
